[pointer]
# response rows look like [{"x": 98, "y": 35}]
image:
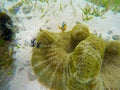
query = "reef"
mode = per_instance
[{"x": 76, "y": 60}]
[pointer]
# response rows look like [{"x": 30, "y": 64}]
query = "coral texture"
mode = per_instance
[{"x": 76, "y": 60}]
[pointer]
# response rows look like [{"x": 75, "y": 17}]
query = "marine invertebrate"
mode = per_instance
[
  {"x": 52, "y": 60},
  {"x": 6, "y": 26},
  {"x": 74, "y": 60}
]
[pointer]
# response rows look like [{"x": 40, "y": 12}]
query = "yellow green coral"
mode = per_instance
[{"x": 75, "y": 60}]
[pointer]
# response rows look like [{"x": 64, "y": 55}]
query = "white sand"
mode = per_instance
[{"x": 24, "y": 78}]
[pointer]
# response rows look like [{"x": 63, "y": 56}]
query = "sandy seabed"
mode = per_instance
[{"x": 30, "y": 23}]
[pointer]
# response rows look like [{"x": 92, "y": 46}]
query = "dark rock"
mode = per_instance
[
  {"x": 6, "y": 26},
  {"x": 29, "y": 17},
  {"x": 116, "y": 37},
  {"x": 26, "y": 9},
  {"x": 22, "y": 68},
  {"x": 31, "y": 76},
  {"x": 110, "y": 32}
]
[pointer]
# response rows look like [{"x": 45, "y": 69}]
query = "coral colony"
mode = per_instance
[{"x": 76, "y": 60}]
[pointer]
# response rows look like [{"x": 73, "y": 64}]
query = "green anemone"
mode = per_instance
[
  {"x": 52, "y": 60},
  {"x": 74, "y": 60}
]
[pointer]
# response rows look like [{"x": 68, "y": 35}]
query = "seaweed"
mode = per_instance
[
  {"x": 113, "y": 5},
  {"x": 90, "y": 12},
  {"x": 61, "y": 7},
  {"x": 14, "y": 9},
  {"x": 97, "y": 12}
]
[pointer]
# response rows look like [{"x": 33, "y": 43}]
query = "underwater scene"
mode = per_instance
[{"x": 59, "y": 44}]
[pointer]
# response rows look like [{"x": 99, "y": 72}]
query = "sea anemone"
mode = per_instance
[{"x": 75, "y": 60}]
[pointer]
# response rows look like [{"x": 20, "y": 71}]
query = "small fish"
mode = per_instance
[
  {"x": 63, "y": 27},
  {"x": 34, "y": 43}
]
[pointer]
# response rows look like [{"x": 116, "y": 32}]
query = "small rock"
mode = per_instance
[
  {"x": 27, "y": 63},
  {"x": 29, "y": 17},
  {"x": 21, "y": 69},
  {"x": 44, "y": 27},
  {"x": 116, "y": 37},
  {"x": 27, "y": 43},
  {"x": 110, "y": 32},
  {"x": 95, "y": 33},
  {"x": 107, "y": 38},
  {"x": 31, "y": 76},
  {"x": 26, "y": 9},
  {"x": 48, "y": 28},
  {"x": 100, "y": 35},
  {"x": 77, "y": 22}
]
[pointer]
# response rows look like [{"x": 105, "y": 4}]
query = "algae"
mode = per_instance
[
  {"x": 113, "y": 5},
  {"x": 76, "y": 60}
]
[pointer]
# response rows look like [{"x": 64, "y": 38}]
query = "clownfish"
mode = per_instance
[{"x": 63, "y": 27}]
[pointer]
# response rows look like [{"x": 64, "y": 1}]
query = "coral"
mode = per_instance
[
  {"x": 75, "y": 60},
  {"x": 5, "y": 26}
]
